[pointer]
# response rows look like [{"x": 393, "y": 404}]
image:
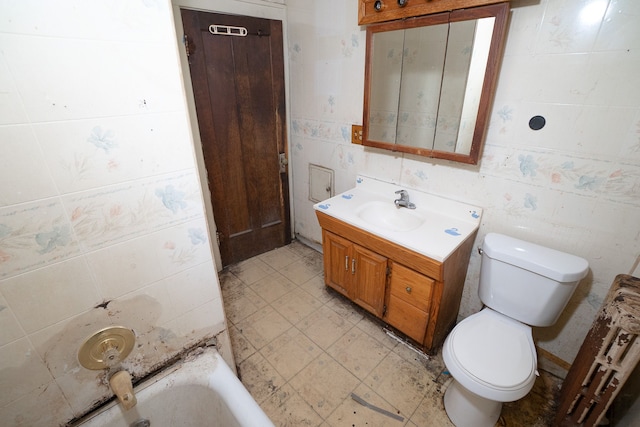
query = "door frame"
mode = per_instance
[{"x": 258, "y": 9}]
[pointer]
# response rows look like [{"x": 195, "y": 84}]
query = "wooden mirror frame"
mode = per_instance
[{"x": 500, "y": 11}]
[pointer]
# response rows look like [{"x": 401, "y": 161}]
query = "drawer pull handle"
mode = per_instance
[
  {"x": 346, "y": 262},
  {"x": 408, "y": 290},
  {"x": 353, "y": 266}
]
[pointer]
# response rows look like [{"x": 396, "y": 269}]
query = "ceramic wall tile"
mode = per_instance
[
  {"x": 617, "y": 248},
  {"x": 111, "y": 20},
  {"x": 623, "y": 185},
  {"x": 59, "y": 343},
  {"x": 570, "y": 26},
  {"x": 10, "y": 329},
  {"x": 128, "y": 266},
  {"x": 90, "y": 153},
  {"x": 306, "y": 223},
  {"x": 51, "y": 405},
  {"x": 503, "y": 123},
  {"x": 524, "y": 25},
  {"x": 578, "y": 312},
  {"x": 22, "y": 167},
  {"x": 559, "y": 78},
  {"x": 619, "y": 28},
  {"x": 59, "y": 291},
  {"x": 575, "y": 209},
  {"x": 382, "y": 165},
  {"x": 303, "y": 74},
  {"x": 203, "y": 321},
  {"x": 81, "y": 387},
  {"x": 159, "y": 294},
  {"x": 112, "y": 214},
  {"x": 331, "y": 17},
  {"x": 348, "y": 158},
  {"x": 122, "y": 77},
  {"x": 33, "y": 235},
  {"x": 191, "y": 288},
  {"x": 11, "y": 108},
  {"x": 131, "y": 265},
  {"x": 416, "y": 174},
  {"x": 602, "y": 81},
  {"x": 22, "y": 371}
]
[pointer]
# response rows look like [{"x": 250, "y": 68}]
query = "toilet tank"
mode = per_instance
[{"x": 525, "y": 281}]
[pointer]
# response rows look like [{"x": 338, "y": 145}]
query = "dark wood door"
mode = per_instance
[{"x": 238, "y": 85}]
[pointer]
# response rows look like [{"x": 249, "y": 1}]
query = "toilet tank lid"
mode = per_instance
[{"x": 555, "y": 265}]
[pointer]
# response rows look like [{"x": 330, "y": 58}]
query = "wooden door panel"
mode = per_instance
[
  {"x": 238, "y": 85},
  {"x": 256, "y": 107},
  {"x": 223, "y": 149}
]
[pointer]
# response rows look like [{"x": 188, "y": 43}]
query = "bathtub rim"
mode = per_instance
[{"x": 218, "y": 377}]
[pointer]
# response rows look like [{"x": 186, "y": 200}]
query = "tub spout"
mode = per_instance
[{"x": 121, "y": 386}]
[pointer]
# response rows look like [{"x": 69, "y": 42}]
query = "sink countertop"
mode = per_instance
[{"x": 447, "y": 222}]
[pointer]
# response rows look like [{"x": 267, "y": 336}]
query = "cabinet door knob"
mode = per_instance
[{"x": 408, "y": 290}]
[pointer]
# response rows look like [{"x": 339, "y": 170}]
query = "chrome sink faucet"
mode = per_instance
[{"x": 403, "y": 201}]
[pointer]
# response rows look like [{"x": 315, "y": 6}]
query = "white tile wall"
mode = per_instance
[
  {"x": 574, "y": 185},
  {"x": 101, "y": 213}
]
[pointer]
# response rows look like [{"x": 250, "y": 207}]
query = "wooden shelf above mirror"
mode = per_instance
[{"x": 372, "y": 11}]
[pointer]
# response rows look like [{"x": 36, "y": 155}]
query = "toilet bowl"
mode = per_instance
[
  {"x": 492, "y": 359},
  {"x": 491, "y": 354}
]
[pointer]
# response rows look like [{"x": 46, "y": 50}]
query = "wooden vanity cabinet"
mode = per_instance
[
  {"x": 416, "y": 295},
  {"x": 355, "y": 272}
]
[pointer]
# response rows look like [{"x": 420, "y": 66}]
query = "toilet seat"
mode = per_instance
[{"x": 492, "y": 355}]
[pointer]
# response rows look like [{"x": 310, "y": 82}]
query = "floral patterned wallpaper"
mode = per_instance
[{"x": 573, "y": 185}]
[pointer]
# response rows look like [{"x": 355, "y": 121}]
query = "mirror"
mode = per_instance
[{"x": 429, "y": 82}]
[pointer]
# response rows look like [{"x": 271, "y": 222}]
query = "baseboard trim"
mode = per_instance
[{"x": 553, "y": 358}]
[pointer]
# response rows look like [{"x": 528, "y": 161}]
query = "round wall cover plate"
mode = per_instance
[
  {"x": 537, "y": 122},
  {"x": 106, "y": 347}
]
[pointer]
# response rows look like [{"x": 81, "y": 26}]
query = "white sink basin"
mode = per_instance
[
  {"x": 435, "y": 228},
  {"x": 389, "y": 217}
]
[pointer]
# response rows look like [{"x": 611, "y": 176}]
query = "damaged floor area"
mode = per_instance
[{"x": 311, "y": 358}]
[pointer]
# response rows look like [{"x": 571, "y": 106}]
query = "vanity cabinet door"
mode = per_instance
[
  {"x": 370, "y": 275},
  {"x": 409, "y": 301},
  {"x": 337, "y": 263},
  {"x": 355, "y": 272}
]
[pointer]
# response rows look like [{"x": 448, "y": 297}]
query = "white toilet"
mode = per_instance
[{"x": 491, "y": 355}]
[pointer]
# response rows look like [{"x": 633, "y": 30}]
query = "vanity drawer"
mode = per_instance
[
  {"x": 407, "y": 318},
  {"x": 411, "y": 287}
]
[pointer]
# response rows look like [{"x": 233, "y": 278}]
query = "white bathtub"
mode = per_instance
[{"x": 201, "y": 391}]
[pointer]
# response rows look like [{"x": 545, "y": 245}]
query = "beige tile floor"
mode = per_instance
[{"x": 302, "y": 350}]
